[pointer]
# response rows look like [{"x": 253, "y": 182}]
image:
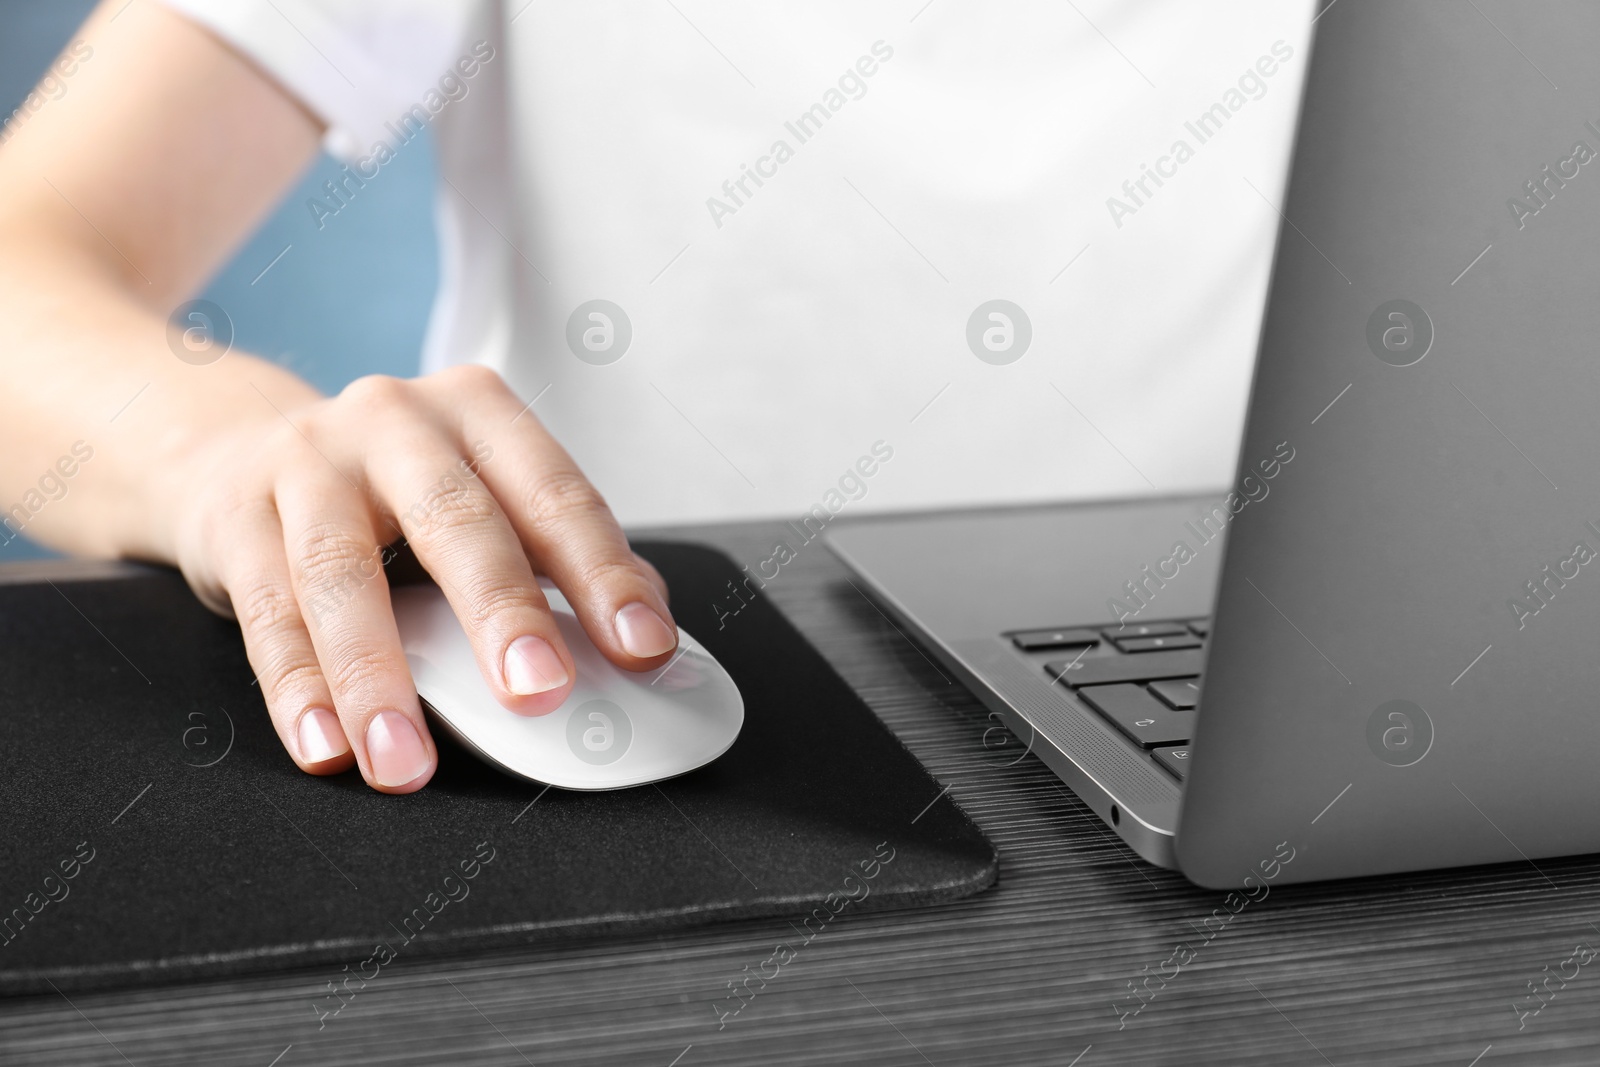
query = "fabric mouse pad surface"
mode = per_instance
[{"x": 157, "y": 831}]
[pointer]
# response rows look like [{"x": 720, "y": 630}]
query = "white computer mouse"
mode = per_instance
[{"x": 616, "y": 729}]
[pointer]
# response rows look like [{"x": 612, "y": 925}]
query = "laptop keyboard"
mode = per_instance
[{"x": 1144, "y": 679}]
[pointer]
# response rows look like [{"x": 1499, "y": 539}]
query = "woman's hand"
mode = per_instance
[
  {"x": 276, "y": 502},
  {"x": 285, "y": 526}
]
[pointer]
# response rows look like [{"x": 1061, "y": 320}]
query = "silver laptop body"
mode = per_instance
[{"x": 1394, "y": 611}]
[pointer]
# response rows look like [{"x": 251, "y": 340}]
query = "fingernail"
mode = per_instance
[
  {"x": 643, "y": 633},
  {"x": 532, "y": 666},
  {"x": 395, "y": 749},
  {"x": 320, "y": 736}
]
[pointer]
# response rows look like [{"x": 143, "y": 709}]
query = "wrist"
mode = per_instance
[{"x": 199, "y": 454}]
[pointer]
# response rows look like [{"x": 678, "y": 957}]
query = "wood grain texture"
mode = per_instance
[{"x": 1411, "y": 970}]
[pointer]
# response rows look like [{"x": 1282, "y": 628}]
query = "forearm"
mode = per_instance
[
  {"x": 117, "y": 201},
  {"x": 109, "y": 219},
  {"x": 88, "y": 371}
]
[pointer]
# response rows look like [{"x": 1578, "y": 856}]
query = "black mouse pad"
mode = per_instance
[{"x": 155, "y": 830}]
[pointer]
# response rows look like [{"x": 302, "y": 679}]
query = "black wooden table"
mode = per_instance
[{"x": 1437, "y": 968}]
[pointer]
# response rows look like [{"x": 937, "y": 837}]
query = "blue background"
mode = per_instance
[{"x": 348, "y": 300}]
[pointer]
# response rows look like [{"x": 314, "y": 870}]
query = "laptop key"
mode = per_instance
[
  {"x": 1041, "y": 640},
  {"x": 1142, "y": 717},
  {"x": 1144, "y": 629},
  {"x": 1146, "y": 667},
  {"x": 1153, "y": 644},
  {"x": 1175, "y": 760},
  {"x": 1179, "y": 693}
]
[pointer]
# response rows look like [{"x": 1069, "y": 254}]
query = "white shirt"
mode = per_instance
[{"x": 1112, "y": 169}]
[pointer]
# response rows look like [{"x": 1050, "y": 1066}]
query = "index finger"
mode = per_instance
[{"x": 568, "y": 530}]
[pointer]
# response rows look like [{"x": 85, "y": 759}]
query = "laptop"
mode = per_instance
[{"x": 1378, "y": 649}]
